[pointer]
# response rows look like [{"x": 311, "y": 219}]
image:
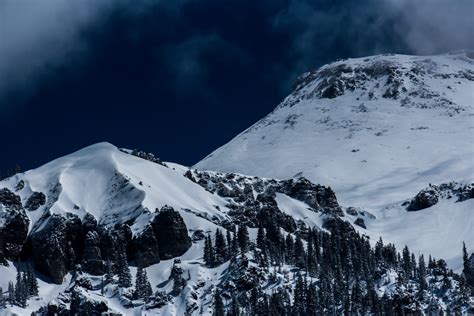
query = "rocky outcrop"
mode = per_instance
[
  {"x": 145, "y": 248},
  {"x": 14, "y": 228},
  {"x": 424, "y": 199},
  {"x": 249, "y": 196},
  {"x": 36, "y": 200},
  {"x": 53, "y": 246},
  {"x": 360, "y": 222},
  {"x": 171, "y": 233}
]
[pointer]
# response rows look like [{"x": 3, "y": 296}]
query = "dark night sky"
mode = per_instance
[{"x": 181, "y": 78}]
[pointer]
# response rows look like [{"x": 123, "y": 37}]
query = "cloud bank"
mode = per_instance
[{"x": 37, "y": 36}]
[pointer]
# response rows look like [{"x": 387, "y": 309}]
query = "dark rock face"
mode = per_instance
[
  {"x": 424, "y": 199},
  {"x": 36, "y": 200},
  {"x": 14, "y": 231},
  {"x": 466, "y": 192},
  {"x": 52, "y": 246},
  {"x": 145, "y": 248},
  {"x": 171, "y": 233},
  {"x": 360, "y": 222}
]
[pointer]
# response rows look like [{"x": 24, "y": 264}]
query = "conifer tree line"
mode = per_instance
[
  {"x": 336, "y": 272},
  {"x": 24, "y": 287}
]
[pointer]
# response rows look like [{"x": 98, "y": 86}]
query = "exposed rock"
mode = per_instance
[
  {"x": 171, "y": 232},
  {"x": 360, "y": 222},
  {"x": 36, "y": 200},
  {"x": 20, "y": 185},
  {"x": 145, "y": 248},
  {"x": 351, "y": 211},
  {"x": 14, "y": 228},
  {"x": 424, "y": 199},
  {"x": 466, "y": 192},
  {"x": 52, "y": 246},
  {"x": 198, "y": 235}
]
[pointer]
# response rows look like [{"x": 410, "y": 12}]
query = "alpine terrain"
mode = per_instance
[{"x": 354, "y": 196}]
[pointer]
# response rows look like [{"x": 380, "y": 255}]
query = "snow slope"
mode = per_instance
[
  {"x": 115, "y": 187},
  {"x": 367, "y": 147},
  {"x": 377, "y": 130}
]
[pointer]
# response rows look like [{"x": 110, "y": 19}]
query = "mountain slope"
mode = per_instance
[
  {"x": 375, "y": 129},
  {"x": 83, "y": 225}
]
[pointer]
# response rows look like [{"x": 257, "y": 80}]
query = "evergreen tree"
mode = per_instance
[
  {"x": 218, "y": 305},
  {"x": 209, "y": 257},
  {"x": 467, "y": 270},
  {"x": 32, "y": 282},
  {"x": 300, "y": 255},
  {"x": 406, "y": 263},
  {"x": 234, "y": 307},
  {"x": 125, "y": 278},
  {"x": 261, "y": 240},
  {"x": 109, "y": 275},
  {"x": 2, "y": 299},
  {"x": 312, "y": 300},
  {"x": 423, "y": 285},
  {"x": 299, "y": 301},
  {"x": 221, "y": 248},
  {"x": 147, "y": 289},
  {"x": 11, "y": 293},
  {"x": 243, "y": 238},
  {"x": 21, "y": 291},
  {"x": 143, "y": 288}
]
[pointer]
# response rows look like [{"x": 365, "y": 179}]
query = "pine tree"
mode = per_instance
[
  {"x": 406, "y": 263},
  {"x": 109, "y": 275},
  {"x": 2, "y": 299},
  {"x": 209, "y": 257},
  {"x": 143, "y": 288},
  {"x": 243, "y": 238},
  {"x": 299, "y": 296},
  {"x": 125, "y": 278},
  {"x": 20, "y": 290},
  {"x": 422, "y": 276},
  {"x": 221, "y": 248},
  {"x": 11, "y": 293},
  {"x": 218, "y": 305},
  {"x": 32, "y": 282},
  {"x": 467, "y": 270},
  {"x": 300, "y": 255},
  {"x": 139, "y": 283},
  {"x": 234, "y": 307},
  {"x": 147, "y": 289}
]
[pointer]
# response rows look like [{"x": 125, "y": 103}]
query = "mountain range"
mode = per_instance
[{"x": 355, "y": 195}]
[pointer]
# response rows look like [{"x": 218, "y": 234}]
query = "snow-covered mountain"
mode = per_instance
[
  {"x": 377, "y": 130},
  {"x": 114, "y": 231}
]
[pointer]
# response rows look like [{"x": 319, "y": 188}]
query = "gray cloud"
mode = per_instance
[
  {"x": 434, "y": 26},
  {"x": 357, "y": 28},
  {"x": 36, "y": 35}
]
